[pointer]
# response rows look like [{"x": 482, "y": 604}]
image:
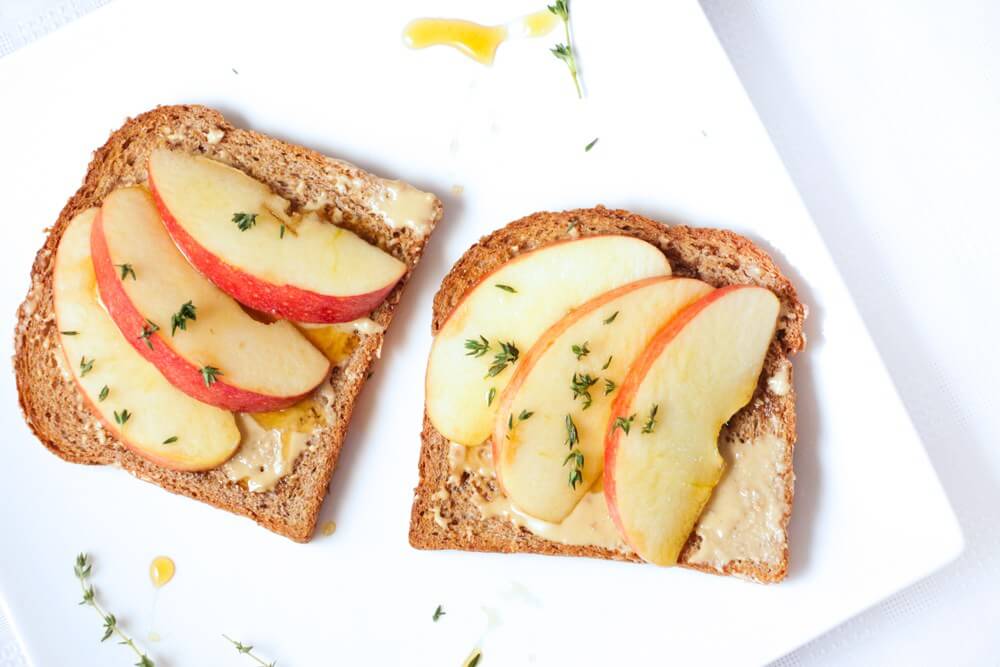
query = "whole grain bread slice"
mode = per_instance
[
  {"x": 445, "y": 514},
  {"x": 54, "y": 408}
]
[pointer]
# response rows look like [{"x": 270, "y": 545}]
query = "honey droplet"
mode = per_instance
[
  {"x": 328, "y": 528},
  {"x": 479, "y": 42},
  {"x": 539, "y": 23},
  {"x": 161, "y": 571}
]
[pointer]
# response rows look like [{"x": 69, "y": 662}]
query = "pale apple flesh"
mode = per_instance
[
  {"x": 531, "y": 455},
  {"x": 130, "y": 397},
  {"x": 297, "y": 267},
  {"x": 259, "y": 367},
  {"x": 696, "y": 373},
  {"x": 515, "y": 304}
]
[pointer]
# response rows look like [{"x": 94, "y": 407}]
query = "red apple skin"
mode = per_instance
[
  {"x": 623, "y": 402},
  {"x": 175, "y": 368},
  {"x": 540, "y": 346},
  {"x": 284, "y": 301}
]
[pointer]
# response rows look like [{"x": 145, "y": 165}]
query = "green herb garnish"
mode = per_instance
[
  {"x": 506, "y": 288},
  {"x": 586, "y": 149},
  {"x": 491, "y": 396},
  {"x": 581, "y": 350},
  {"x": 611, "y": 318},
  {"x": 179, "y": 319},
  {"x": 245, "y": 220},
  {"x": 438, "y": 613},
  {"x": 281, "y": 231},
  {"x": 474, "y": 660},
  {"x": 564, "y": 52},
  {"x": 607, "y": 363},
  {"x": 477, "y": 348},
  {"x": 576, "y": 474},
  {"x": 171, "y": 440},
  {"x": 82, "y": 570},
  {"x": 651, "y": 422},
  {"x": 247, "y": 649},
  {"x": 148, "y": 330},
  {"x": 581, "y": 385},
  {"x": 104, "y": 393},
  {"x": 69, "y": 333},
  {"x": 122, "y": 417},
  {"x": 623, "y": 423},
  {"x": 507, "y": 355},
  {"x": 208, "y": 374},
  {"x": 609, "y": 386},
  {"x": 572, "y": 436},
  {"x": 86, "y": 366},
  {"x": 524, "y": 416},
  {"x": 126, "y": 271}
]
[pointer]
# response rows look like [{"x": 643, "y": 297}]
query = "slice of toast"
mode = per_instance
[
  {"x": 54, "y": 408},
  {"x": 446, "y": 504}
]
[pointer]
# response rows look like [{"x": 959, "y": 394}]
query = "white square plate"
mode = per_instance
[{"x": 679, "y": 141}]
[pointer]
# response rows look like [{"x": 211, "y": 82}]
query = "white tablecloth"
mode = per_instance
[{"x": 887, "y": 115}]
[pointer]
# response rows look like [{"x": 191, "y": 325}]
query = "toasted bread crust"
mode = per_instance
[
  {"x": 452, "y": 521},
  {"x": 55, "y": 410}
]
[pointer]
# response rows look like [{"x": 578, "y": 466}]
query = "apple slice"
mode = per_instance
[
  {"x": 239, "y": 234},
  {"x": 468, "y": 365},
  {"x": 661, "y": 456},
  {"x": 566, "y": 382},
  {"x": 200, "y": 339},
  {"x": 148, "y": 414}
]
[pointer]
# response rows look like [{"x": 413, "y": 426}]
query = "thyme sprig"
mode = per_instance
[
  {"x": 506, "y": 288},
  {"x": 438, "y": 613},
  {"x": 82, "y": 569},
  {"x": 564, "y": 52},
  {"x": 611, "y": 318},
  {"x": 572, "y": 435},
  {"x": 247, "y": 650},
  {"x": 524, "y": 416},
  {"x": 245, "y": 220},
  {"x": 575, "y": 455},
  {"x": 576, "y": 472},
  {"x": 477, "y": 348},
  {"x": 208, "y": 374},
  {"x": 651, "y": 422},
  {"x": 609, "y": 386},
  {"x": 581, "y": 384},
  {"x": 624, "y": 423},
  {"x": 86, "y": 366},
  {"x": 507, "y": 355},
  {"x": 179, "y": 319},
  {"x": 148, "y": 329},
  {"x": 581, "y": 350},
  {"x": 126, "y": 270}
]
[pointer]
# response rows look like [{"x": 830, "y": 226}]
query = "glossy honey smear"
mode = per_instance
[
  {"x": 477, "y": 41},
  {"x": 161, "y": 571},
  {"x": 335, "y": 342}
]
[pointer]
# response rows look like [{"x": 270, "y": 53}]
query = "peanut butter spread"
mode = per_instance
[
  {"x": 272, "y": 441},
  {"x": 742, "y": 521},
  {"x": 743, "y": 518},
  {"x": 402, "y": 205}
]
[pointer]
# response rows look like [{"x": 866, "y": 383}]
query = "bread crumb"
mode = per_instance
[
  {"x": 328, "y": 528},
  {"x": 457, "y": 190}
]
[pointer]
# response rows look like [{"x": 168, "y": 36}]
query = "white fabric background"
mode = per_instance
[{"x": 887, "y": 115}]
